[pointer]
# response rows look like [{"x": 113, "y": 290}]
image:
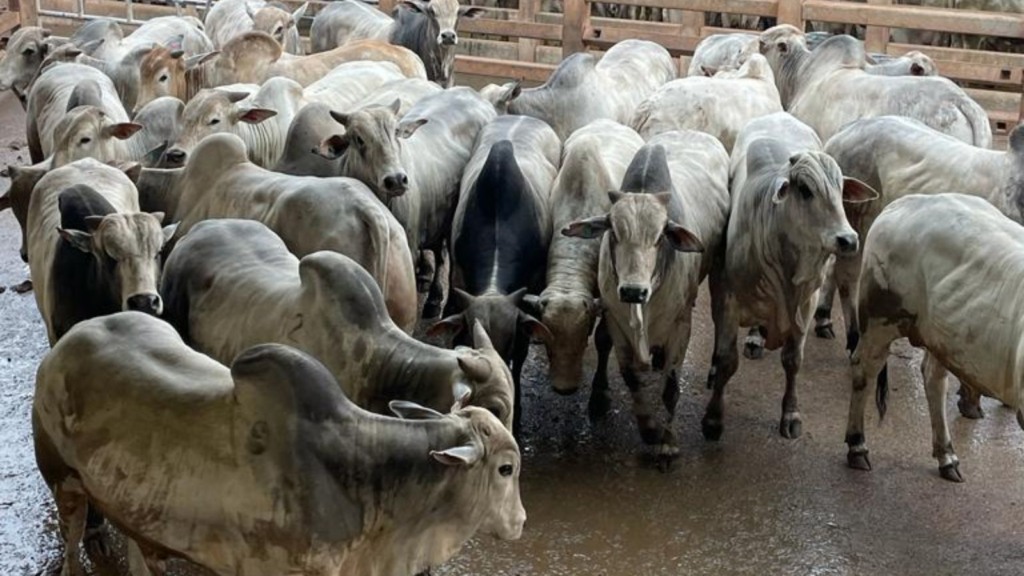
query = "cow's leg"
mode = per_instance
[
  {"x": 846, "y": 274},
  {"x": 144, "y": 562},
  {"x": 72, "y": 510},
  {"x": 96, "y": 541},
  {"x": 435, "y": 295},
  {"x": 935, "y": 387},
  {"x": 426, "y": 266},
  {"x": 753, "y": 346},
  {"x": 725, "y": 359},
  {"x": 970, "y": 402},
  {"x": 791, "y": 424},
  {"x": 823, "y": 313},
  {"x": 600, "y": 398},
  {"x": 520, "y": 350},
  {"x": 867, "y": 364}
]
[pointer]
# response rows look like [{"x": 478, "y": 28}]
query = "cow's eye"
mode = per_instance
[
  {"x": 278, "y": 30},
  {"x": 214, "y": 121},
  {"x": 28, "y": 51},
  {"x": 505, "y": 470},
  {"x": 358, "y": 142},
  {"x": 85, "y": 140},
  {"x": 805, "y": 192},
  {"x": 163, "y": 78}
]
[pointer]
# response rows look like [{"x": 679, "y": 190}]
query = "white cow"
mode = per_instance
[
  {"x": 674, "y": 200},
  {"x": 786, "y": 224},
  {"x": 230, "y": 18},
  {"x": 944, "y": 271},
  {"x": 720, "y": 106},
  {"x": 262, "y": 469},
  {"x": 721, "y": 52}
]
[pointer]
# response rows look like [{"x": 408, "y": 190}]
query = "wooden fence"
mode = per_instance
[{"x": 527, "y": 41}]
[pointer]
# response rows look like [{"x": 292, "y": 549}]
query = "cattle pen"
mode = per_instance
[{"x": 527, "y": 41}]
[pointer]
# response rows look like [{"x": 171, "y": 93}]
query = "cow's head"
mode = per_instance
[
  {"x": 920, "y": 64},
  {"x": 483, "y": 378},
  {"x": 781, "y": 44},
  {"x": 162, "y": 72},
  {"x": 499, "y": 315},
  {"x": 212, "y": 111},
  {"x": 501, "y": 96},
  {"x": 87, "y": 132},
  {"x": 810, "y": 192},
  {"x": 18, "y": 197},
  {"x": 371, "y": 149},
  {"x": 444, "y": 15},
  {"x": 281, "y": 25},
  {"x": 570, "y": 318},
  {"x": 128, "y": 244},
  {"x": 26, "y": 50},
  {"x": 488, "y": 454},
  {"x": 638, "y": 227}
]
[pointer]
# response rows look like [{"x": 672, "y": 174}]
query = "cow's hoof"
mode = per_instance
[
  {"x": 753, "y": 350},
  {"x": 22, "y": 288},
  {"x": 825, "y": 331},
  {"x": 970, "y": 409},
  {"x": 858, "y": 460},
  {"x": 790, "y": 426},
  {"x": 951, "y": 472},
  {"x": 667, "y": 453},
  {"x": 598, "y": 406},
  {"x": 97, "y": 545},
  {"x": 711, "y": 428}
]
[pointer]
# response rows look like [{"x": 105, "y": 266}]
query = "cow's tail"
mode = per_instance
[
  {"x": 981, "y": 132},
  {"x": 882, "y": 393}
]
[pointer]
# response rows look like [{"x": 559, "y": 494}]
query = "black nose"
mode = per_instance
[
  {"x": 630, "y": 294},
  {"x": 396, "y": 184},
  {"x": 148, "y": 303},
  {"x": 448, "y": 38},
  {"x": 846, "y": 243},
  {"x": 175, "y": 156}
]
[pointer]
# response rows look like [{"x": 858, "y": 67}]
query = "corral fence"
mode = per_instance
[{"x": 524, "y": 39}]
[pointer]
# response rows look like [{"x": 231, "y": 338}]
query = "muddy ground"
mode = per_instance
[{"x": 753, "y": 503}]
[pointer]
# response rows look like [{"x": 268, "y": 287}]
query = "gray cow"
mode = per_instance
[
  {"x": 673, "y": 201},
  {"x": 264, "y": 468},
  {"x": 231, "y": 284},
  {"x": 786, "y": 224}
]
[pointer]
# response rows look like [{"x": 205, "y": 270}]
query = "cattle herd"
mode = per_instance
[{"x": 227, "y": 239}]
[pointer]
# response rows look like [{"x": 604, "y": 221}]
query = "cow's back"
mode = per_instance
[
  {"x": 629, "y": 72},
  {"x": 49, "y": 95},
  {"x": 347, "y": 21}
]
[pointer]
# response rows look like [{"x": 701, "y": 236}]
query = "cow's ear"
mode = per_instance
[
  {"x": 412, "y": 411},
  {"x": 80, "y": 240},
  {"x": 780, "y": 189},
  {"x": 122, "y": 130},
  {"x": 132, "y": 170},
  {"x": 89, "y": 47},
  {"x": 176, "y": 43},
  {"x": 663, "y": 198},
  {"x": 481, "y": 341},
  {"x": 409, "y": 128},
  {"x": 256, "y": 115},
  {"x": 471, "y": 12},
  {"x": 332, "y": 147},
  {"x": 200, "y": 59},
  {"x": 235, "y": 96},
  {"x": 535, "y": 328},
  {"x": 159, "y": 216},
  {"x": 449, "y": 326},
  {"x": 615, "y": 196},
  {"x": 169, "y": 231},
  {"x": 462, "y": 393},
  {"x": 416, "y": 6},
  {"x": 857, "y": 192},
  {"x": 396, "y": 106},
  {"x": 475, "y": 366},
  {"x": 299, "y": 13},
  {"x": 682, "y": 239},
  {"x": 458, "y": 456},
  {"x": 589, "y": 228},
  {"x": 340, "y": 117}
]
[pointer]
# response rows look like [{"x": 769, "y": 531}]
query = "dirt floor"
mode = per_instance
[{"x": 753, "y": 503}]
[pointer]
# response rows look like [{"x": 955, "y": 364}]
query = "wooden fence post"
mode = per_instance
[
  {"x": 27, "y": 8},
  {"x": 791, "y": 12},
  {"x": 528, "y": 46},
  {"x": 575, "y": 21},
  {"x": 876, "y": 38}
]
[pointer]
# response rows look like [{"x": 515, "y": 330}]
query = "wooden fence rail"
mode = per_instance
[{"x": 527, "y": 41}]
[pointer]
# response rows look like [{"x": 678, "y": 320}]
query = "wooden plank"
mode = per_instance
[
  {"x": 109, "y": 8},
  {"x": 502, "y": 68},
  {"x": 1006, "y": 79},
  {"x": 676, "y": 45},
  {"x": 916, "y": 17},
  {"x": 574, "y": 24},
  {"x": 692, "y": 23},
  {"x": 979, "y": 57},
  {"x": 876, "y": 37},
  {"x": 527, "y": 46},
  {"x": 511, "y": 28},
  {"x": 791, "y": 12},
  {"x": 29, "y": 15},
  {"x": 9, "y": 21},
  {"x": 756, "y": 7}
]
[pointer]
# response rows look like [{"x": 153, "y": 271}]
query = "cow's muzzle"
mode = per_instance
[
  {"x": 634, "y": 294},
  {"x": 148, "y": 303},
  {"x": 396, "y": 184},
  {"x": 448, "y": 38},
  {"x": 174, "y": 158},
  {"x": 847, "y": 243}
]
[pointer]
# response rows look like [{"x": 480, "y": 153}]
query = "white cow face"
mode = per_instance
[
  {"x": 571, "y": 319},
  {"x": 87, "y": 132},
  {"x": 280, "y": 24},
  {"x": 446, "y": 14},
  {"x": 130, "y": 244},
  {"x": 26, "y": 50},
  {"x": 810, "y": 194},
  {"x": 212, "y": 112}
]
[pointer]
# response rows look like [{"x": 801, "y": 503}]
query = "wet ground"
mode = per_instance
[{"x": 753, "y": 503}]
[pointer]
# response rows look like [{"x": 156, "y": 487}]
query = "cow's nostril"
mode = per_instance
[
  {"x": 633, "y": 294},
  {"x": 846, "y": 243},
  {"x": 148, "y": 303}
]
